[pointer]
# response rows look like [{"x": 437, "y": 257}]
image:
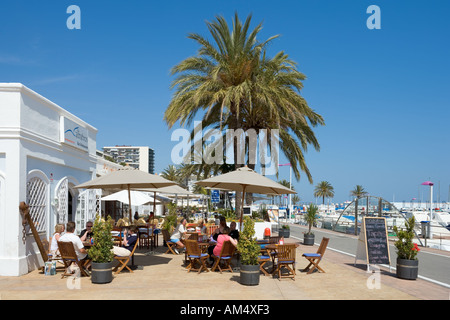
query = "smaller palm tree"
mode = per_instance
[
  {"x": 295, "y": 199},
  {"x": 171, "y": 173},
  {"x": 358, "y": 192},
  {"x": 325, "y": 190}
]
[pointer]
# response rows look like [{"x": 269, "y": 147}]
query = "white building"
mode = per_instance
[
  {"x": 142, "y": 158},
  {"x": 44, "y": 152}
]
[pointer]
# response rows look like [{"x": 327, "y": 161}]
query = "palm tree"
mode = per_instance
[
  {"x": 171, "y": 173},
  {"x": 295, "y": 199},
  {"x": 325, "y": 190},
  {"x": 236, "y": 85},
  {"x": 358, "y": 192}
]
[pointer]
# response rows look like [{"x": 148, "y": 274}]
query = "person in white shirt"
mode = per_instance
[
  {"x": 179, "y": 232},
  {"x": 70, "y": 236}
]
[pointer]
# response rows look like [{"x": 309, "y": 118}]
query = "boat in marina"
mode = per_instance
[{"x": 439, "y": 223}]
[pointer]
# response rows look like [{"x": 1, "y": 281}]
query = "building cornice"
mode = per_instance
[{"x": 19, "y": 87}]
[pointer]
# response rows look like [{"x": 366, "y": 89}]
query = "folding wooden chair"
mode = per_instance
[
  {"x": 144, "y": 237},
  {"x": 273, "y": 253},
  {"x": 225, "y": 256},
  {"x": 211, "y": 229},
  {"x": 189, "y": 236},
  {"x": 123, "y": 261},
  {"x": 69, "y": 256},
  {"x": 315, "y": 258},
  {"x": 262, "y": 260},
  {"x": 286, "y": 258},
  {"x": 153, "y": 236},
  {"x": 194, "y": 254},
  {"x": 170, "y": 245}
]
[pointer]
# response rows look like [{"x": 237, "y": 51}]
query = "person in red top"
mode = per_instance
[{"x": 221, "y": 239}]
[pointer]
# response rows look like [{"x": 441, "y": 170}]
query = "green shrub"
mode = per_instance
[
  {"x": 101, "y": 251},
  {"x": 247, "y": 246},
  {"x": 406, "y": 248}
]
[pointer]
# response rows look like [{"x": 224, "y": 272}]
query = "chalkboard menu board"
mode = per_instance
[{"x": 376, "y": 238}]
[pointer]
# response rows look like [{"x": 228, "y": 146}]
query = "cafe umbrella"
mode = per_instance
[
  {"x": 245, "y": 180},
  {"x": 138, "y": 198},
  {"x": 173, "y": 189},
  {"x": 126, "y": 179}
]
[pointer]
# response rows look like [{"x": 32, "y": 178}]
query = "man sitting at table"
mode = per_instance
[
  {"x": 86, "y": 234},
  {"x": 234, "y": 233},
  {"x": 128, "y": 242},
  {"x": 70, "y": 236}
]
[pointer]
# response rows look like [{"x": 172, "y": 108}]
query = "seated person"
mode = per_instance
[
  {"x": 87, "y": 233},
  {"x": 201, "y": 227},
  {"x": 54, "y": 251},
  {"x": 233, "y": 232},
  {"x": 128, "y": 242},
  {"x": 219, "y": 230},
  {"x": 69, "y": 236},
  {"x": 178, "y": 234},
  {"x": 221, "y": 238}
]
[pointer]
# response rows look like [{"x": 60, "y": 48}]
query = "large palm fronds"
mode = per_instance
[{"x": 233, "y": 83}]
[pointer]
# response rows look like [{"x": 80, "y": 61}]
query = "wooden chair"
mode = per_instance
[
  {"x": 286, "y": 258},
  {"x": 211, "y": 229},
  {"x": 144, "y": 237},
  {"x": 69, "y": 256},
  {"x": 225, "y": 255},
  {"x": 189, "y": 236},
  {"x": 274, "y": 240},
  {"x": 117, "y": 239},
  {"x": 170, "y": 245},
  {"x": 123, "y": 261},
  {"x": 262, "y": 260},
  {"x": 195, "y": 255},
  {"x": 153, "y": 236},
  {"x": 273, "y": 253},
  {"x": 315, "y": 258}
]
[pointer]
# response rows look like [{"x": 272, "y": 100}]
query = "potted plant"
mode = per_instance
[
  {"x": 407, "y": 263},
  {"x": 285, "y": 231},
  {"x": 101, "y": 252},
  {"x": 249, "y": 251},
  {"x": 311, "y": 219},
  {"x": 170, "y": 221}
]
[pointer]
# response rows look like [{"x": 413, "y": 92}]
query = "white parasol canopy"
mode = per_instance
[
  {"x": 245, "y": 180},
  {"x": 137, "y": 198},
  {"x": 127, "y": 179}
]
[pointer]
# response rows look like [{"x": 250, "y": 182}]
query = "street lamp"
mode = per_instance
[
  {"x": 429, "y": 183},
  {"x": 290, "y": 185}
]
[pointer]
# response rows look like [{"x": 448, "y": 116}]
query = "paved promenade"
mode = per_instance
[{"x": 161, "y": 276}]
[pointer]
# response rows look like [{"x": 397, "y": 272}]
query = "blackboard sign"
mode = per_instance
[{"x": 376, "y": 238}]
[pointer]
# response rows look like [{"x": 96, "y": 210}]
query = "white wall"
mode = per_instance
[{"x": 30, "y": 142}]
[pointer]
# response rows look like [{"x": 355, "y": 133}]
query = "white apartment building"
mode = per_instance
[{"x": 142, "y": 158}]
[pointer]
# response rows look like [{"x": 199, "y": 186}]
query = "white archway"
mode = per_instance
[{"x": 38, "y": 199}]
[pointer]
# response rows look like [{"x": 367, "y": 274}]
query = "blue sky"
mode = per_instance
[{"x": 384, "y": 94}]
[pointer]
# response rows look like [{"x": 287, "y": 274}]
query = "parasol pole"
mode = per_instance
[
  {"x": 129, "y": 203},
  {"x": 154, "y": 204},
  {"x": 242, "y": 208}
]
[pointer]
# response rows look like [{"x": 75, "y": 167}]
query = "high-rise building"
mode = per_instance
[{"x": 142, "y": 158}]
